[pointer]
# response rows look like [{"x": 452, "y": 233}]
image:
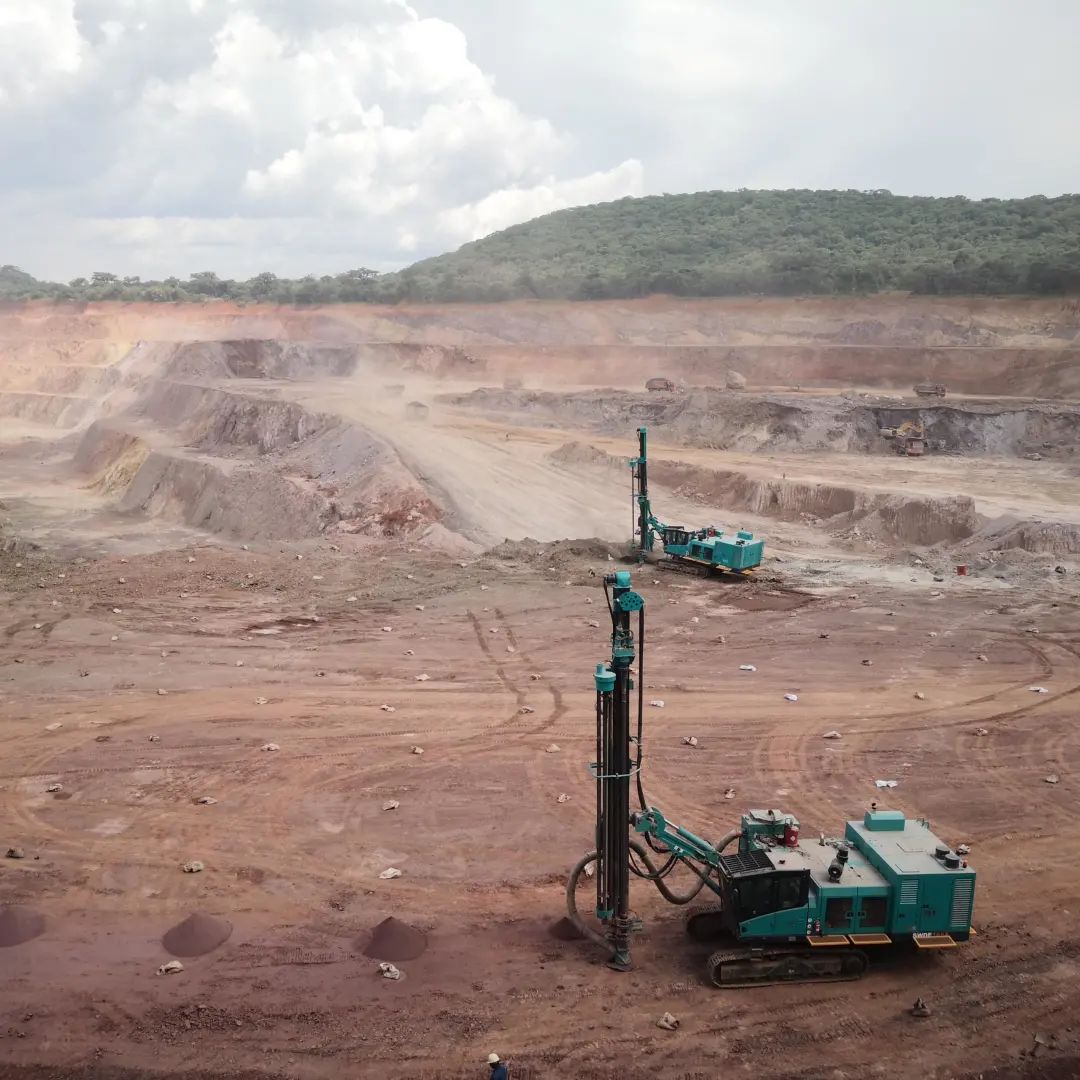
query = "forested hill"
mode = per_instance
[
  {"x": 777, "y": 243},
  {"x": 713, "y": 243}
]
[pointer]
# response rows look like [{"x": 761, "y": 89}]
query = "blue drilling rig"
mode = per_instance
[
  {"x": 706, "y": 550},
  {"x": 784, "y": 910}
]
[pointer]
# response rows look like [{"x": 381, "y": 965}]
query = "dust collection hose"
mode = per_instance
[{"x": 653, "y": 875}]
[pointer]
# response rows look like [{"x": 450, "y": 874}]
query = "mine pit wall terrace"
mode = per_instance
[
  {"x": 1042, "y": 373},
  {"x": 725, "y": 420},
  {"x": 1016, "y": 347},
  {"x": 871, "y": 515},
  {"x": 250, "y": 468}
]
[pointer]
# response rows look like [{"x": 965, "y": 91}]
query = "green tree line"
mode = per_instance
[{"x": 715, "y": 243}]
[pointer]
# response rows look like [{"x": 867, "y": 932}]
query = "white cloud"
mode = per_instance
[
  {"x": 164, "y": 136},
  {"x": 511, "y": 205},
  {"x": 40, "y": 44}
]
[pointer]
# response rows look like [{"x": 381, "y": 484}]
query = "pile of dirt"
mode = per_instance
[
  {"x": 565, "y": 930},
  {"x": 576, "y": 453},
  {"x": 19, "y": 924},
  {"x": 567, "y": 554},
  {"x": 197, "y": 935},
  {"x": 395, "y": 940}
]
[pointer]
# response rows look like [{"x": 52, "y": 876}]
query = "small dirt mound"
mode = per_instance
[
  {"x": 394, "y": 940},
  {"x": 19, "y": 924},
  {"x": 197, "y": 935},
  {"x": 565, "y": 930}
]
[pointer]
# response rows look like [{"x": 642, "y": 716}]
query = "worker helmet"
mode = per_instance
[{"x": 493, "y": 1059}]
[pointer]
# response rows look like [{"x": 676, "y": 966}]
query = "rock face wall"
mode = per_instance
[{"x": 190, "y": 412}]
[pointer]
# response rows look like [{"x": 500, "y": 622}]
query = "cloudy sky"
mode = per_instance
[{"x": 155, "y": 137}]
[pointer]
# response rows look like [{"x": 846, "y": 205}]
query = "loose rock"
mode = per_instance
[
  {"x": 416, "y": 750},
  {"x": 668, "y": 1022},
  {"x": 389, "y": 873},
  {"x": 193, "y": 867},
  {"x": 52, "y": 789},
  {"x": 535, "y": 678},
  {"x": 422, "y": 678},
  {"x": 388, "y": 971},
  {"x": 1053, "y": 778},
  {"x": 832, "y": 735},
  {"x": 16, "y": 853},
  {"x": 554, "y": 748},
  {"x": 689, "y": 740},
  {"x": 270, "y": 747},
  {"x": 391, "y": 804},
  {"x": 162, "y": 693},
  {"x": 919, "y": 695},
  {"x": 526, "y": 709},
  {"x": 171, "y": 968}
]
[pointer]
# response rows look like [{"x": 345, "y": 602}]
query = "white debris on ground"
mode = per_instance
[
  {"x": 832, "y": 735},
  {"x": 389, "y": 873},
  {"x": 747, "y": 667},
  {"x": 52, "y": 789},
  {"x": 270, "y": 747},
  {"x": 1038, "y": 690},
  {"x": 262, "y": 701},
  {"x": 193, "y": 867},
  {"x": 689, "y": 740},
  {"x": 387, "y": 708},
  {"x": 668, "y": 1022},
  {"x": 657, "y": 703},
  {"x": 730, "y": 793},
  {"x": 885, "y": 783},
  {"x": 418, "y": 750},
  {"x": 391, "y": 804},
  {"x": 791, "y": 697},
  {"x": 554, "y": 748},
  {"x": 173, "y": 967},
  {"x": 563, "y": 798},
  {"x": 422, "y": 678},
  {"x": 524, "y": 710},
  {"x": 1053, "y": 778},
  {"x": 206, "y": 800},
  {"x": 388, "y": 971}
]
